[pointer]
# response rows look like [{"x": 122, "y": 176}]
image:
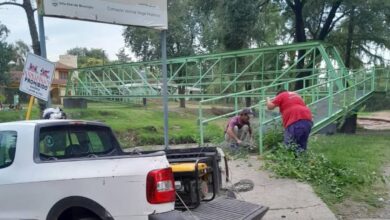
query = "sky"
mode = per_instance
[{"x": 64, "y": 34}]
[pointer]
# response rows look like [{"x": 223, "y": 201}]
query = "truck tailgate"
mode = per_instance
[{"x": 225, "y": 208}]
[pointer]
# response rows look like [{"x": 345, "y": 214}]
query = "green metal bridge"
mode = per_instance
[{"x": 238, "y": 79}]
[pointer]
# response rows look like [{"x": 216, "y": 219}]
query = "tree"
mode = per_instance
[
  {"x": 89, "y": 57},
  {"x": 356, "y": 40},
  {"x": 28, "y": 8},
  {"x": 3, "y": 32},
  {"x": 181, "y": 37},
  {"x": 234, "y": 24},
  {"x": 5, "y": 55},
  {"x": 311, "y": 20},
  {"x": 122, "y": 56},
  {"x": 20, "y": 51},
  {"x": 340, "y": 22}
]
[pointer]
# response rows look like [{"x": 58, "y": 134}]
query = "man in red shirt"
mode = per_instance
[
  {"x": 238, "y": 129},
  {"x": 297, "y": 118}
]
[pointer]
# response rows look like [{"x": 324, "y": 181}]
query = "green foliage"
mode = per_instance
[
  {"x": 274, "y": 136},
  {"x": 2, "y": 98},
  {"x": 5, "y": 55},
  {"x": 20, "y": 51},
  {"x": 363, "y": 40},
  {"x": 136, "y": 126},
  {"x": 89, "y": 57},
  {"x": 237, "y": 24},
  {"x": 17, "y": 115},
  {"x": 378, "y": 102},
  {"x": 122, "y": 56},
  {"x": 145, "y": 43},
  {"x": 336, "y": 166},
  {"x": 3, "y": 32},
  {"x": 328, "y": 177},
  {"x": 239, "y": 18}
]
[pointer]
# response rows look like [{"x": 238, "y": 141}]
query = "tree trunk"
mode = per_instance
[
  {"x": 300, "y": 36},
  {"x": 349, "y": 43},
  {"x": 35, "y": 41},
  {"x": 349, "y": 125},
  {"x": 32, "y": 26},
  {"x": 182, "y": 90},
  {"x": 27, "y": 7},
  {"x": 327, "y": 27}
]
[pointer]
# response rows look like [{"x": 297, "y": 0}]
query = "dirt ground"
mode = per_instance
[{"x": 375, "y": 121}]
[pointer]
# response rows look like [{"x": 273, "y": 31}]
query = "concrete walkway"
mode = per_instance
[{"x": 287, "y": 199}]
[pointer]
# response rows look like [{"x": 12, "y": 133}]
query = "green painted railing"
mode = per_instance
[
  {"x": 203, "y": 76},
  {"x": 326, "y": 98}
]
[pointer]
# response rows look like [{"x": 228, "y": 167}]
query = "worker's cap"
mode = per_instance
[{"x": 246, "y": 111}]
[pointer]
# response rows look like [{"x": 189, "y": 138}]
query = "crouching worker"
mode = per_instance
[
  {"x": 238, "y": 130},
  {"x": 54, "y": 113},
  {"x": 297, "y": 118}
]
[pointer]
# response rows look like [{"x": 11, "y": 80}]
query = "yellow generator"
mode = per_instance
[
  {"x": 192, "y": 181},
  {"x": 197, "y": 176}
]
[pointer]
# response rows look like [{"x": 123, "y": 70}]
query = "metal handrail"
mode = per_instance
[{"x": 325, "y": 93}]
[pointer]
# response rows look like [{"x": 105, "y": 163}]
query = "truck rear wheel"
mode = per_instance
[
  {"x": 78, "y": 213},
  {"x": 78, "y": 208}
]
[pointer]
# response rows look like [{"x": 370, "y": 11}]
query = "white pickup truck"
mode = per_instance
[
  {"x": 76, "y": 170},
  {"x": 64, "y": 169}
]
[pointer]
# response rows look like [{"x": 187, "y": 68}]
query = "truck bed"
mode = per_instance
[{"x": 225, "y": 208}]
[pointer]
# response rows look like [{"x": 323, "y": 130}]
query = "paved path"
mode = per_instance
[{"x": 287, "y": 199}]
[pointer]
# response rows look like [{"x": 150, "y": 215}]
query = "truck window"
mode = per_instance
[
  {"x": 7, "y": 148},
  {"x": 76, "y": 141}
]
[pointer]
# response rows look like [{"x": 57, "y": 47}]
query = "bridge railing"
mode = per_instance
[
  {"x": 327, "y": 100},
  {"x": 382, "y": 81},
  {"x": 206, "y": 75}
]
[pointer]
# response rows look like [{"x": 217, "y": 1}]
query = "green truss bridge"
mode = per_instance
[{"x": 238, "y": 79}]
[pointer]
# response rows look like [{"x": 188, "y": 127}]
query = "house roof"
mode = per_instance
[
  {"x": 17, "y": 75},
  {"x": 62, "y": 66}
]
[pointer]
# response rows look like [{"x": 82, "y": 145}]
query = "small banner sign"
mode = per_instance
[{"x": 37, "y": 77}]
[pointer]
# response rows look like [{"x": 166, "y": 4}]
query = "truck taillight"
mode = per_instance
[{"x": 160, "y": 186}]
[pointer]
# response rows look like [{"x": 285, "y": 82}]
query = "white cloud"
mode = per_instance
[{"x": 64, "y": 34}]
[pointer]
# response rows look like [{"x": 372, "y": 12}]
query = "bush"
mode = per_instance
[{"x": 2, "y": 98}]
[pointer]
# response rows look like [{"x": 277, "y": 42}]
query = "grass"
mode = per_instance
[
  {"x": 15, "y": 115},
  {"x": 365, "y": 155},
  {"x": 338, "y": 166},
  {"x": 134, "y": 125}
]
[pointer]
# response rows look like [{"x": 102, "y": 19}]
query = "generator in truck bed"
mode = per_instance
[
  {"x": 200, "y": 177},
  {"x": 73, "y": 170}
]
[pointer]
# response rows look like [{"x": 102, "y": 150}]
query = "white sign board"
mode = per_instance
[
  {"x": 146, "y": 13},
  {"x": 37, "y": 76}
]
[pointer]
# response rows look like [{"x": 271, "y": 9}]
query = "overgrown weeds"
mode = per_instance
[{"x": 330, "y": 180}]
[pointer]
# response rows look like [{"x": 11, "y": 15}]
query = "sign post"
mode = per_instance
[{"x": 37, "y": 78}]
